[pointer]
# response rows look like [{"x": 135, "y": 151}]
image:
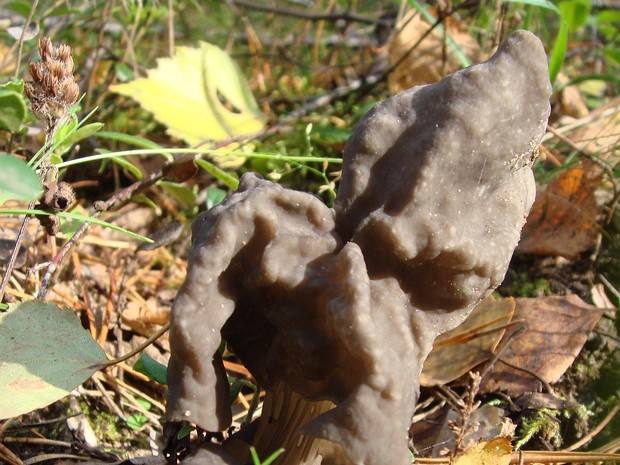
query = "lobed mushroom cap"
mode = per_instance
[{"x": 344, "y": 304}]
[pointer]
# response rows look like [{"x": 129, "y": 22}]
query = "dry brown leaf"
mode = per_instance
[
  {"x": 145, "y": 318},
  {"x": 570, "y": 99},
  {"x": 469, "y": 344},
  {"x": 563, "y": 219},
  {"x": 494, "y": 452},
  {"x": 556, "y": 328},
  {"x": 426, "y": 63},
  {"x": 434, "y": 436}
]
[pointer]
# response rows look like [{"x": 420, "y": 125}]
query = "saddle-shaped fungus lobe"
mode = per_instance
[{"x": 344, "y": 304}]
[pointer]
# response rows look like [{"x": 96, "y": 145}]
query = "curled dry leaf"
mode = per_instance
[
  {"x": 556, "y": 328},
  {"x": 145, "y": 318},
  {"x": 563, "y": 220},
  {"x": 434, "y": 435},
  {"x": 469, "y": 344}
]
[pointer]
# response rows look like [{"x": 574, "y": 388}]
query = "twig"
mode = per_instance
[
  {"x": 107, "y": 399},
  {"x": 11, "y": 263},
  {"x": 46, "y": 457},
  {"x": 21, "y": 37},
  {"x": 90, "y": 83},
  {"x": 8, "y": 455},
  {"x": 591, "y": 434},
  {"x": 121, "y": 197},
  {"x": 138, "y": 349},
  {"x": 297, "y": 13},
  {"x": 601, "y": 163}
]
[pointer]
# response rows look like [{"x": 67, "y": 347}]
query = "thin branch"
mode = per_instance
[
  {"x": 21, "y": 37},
  {"x": 11, "y": 263},
  {"x": 591, "y": 434},
  {"x": 138, "y": 349},
  {"x": 303, "y": 14}
]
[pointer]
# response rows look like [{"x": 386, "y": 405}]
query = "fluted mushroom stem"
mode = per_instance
[{"x": 284, "y": 414}]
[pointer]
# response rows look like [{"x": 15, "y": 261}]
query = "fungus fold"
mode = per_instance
[{"x": 333, "y": 311}]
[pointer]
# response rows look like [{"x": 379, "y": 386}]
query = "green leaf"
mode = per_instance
[
  {"x": 215, "y": 196},
  {"x": 45, "y": 354},
  {"x": 12, "y": 110},
  {"x": 136, "y": 421},
  {"x": 268, "y": 460},
  {"x": 73, "y": 134},
  {"x": 15, "y": 86},
  {"x": 200, "y": 94},
  {"x": 151, "y": 368},
  {"x": 122, "y": 162},
  {"x": 556, "y": 57},
  {"x": 546, "y": 4},
  {"x": 180, "y": 192},
  {"x": 18, "y": 180},
  {"x": 131, "y": 140},
  {"x": 218, "y": 173},
  {"x": 76, "y": 217},
  {"x": 575, "y": 12}
]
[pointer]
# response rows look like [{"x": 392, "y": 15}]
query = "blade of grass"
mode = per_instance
[
  {"x": 264, "y": 156},
  {"x": 77, "y": 217},
  {"x": 218, "y": 173},
  {"x": 556, "y": 57}
]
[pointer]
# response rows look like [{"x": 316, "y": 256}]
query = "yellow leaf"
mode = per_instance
[
  {"x": 494, "y": 452},
  {"x": 200, "y": 94}
]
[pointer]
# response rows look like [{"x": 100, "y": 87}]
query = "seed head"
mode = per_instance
[{"x": 53, "y": 89}]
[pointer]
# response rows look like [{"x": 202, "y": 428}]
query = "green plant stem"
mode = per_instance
[{"x": 260, "y": 156}]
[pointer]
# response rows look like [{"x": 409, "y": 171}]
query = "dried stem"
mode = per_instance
[{"x": 21, "y": 37}]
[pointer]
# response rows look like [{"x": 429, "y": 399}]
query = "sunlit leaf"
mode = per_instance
[
  {"x": 18, "y": 180},
  {"x": 494, "y": 452},
  {"x": 472, "y": 342},
  {"x": 44, "y": 354},
  {"x": 200, "y": 94},
  {"x": 12, "y": 109},
  {"x": 556, "y": 57},
  {"x": 575, "y": 12}
]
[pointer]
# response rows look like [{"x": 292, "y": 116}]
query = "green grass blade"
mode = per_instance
[
  {"x": 77, "y": 217},
  {"x": 218, "y": 173},
  {"x": 556, "y": 57}
]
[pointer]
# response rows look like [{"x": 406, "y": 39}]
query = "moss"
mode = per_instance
[{"x": 543, "y": 424}]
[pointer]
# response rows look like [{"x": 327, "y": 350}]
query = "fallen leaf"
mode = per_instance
[
  {"x": 556, "y": 328},
  {"x": 469, "y": 344},
  {"x": 146, "y": 318},
  {"x": 44, "y": 354},
  {"x": 426, "y": 64},
  {"x": 570, "y": 99},
  {"x": 494, "y": 452},
  {"x": 433, "y": 436},
  {"x": 199, "y": 95},
  {"x": 563, "y": 220}
]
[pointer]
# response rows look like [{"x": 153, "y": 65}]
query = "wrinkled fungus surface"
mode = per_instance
[{"x": 344, "y": 304}]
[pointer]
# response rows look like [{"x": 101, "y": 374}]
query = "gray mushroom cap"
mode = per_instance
[{"x": 345, "y": 304}]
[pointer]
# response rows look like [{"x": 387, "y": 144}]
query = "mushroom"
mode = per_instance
[{"x": 333, "y": 311}]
